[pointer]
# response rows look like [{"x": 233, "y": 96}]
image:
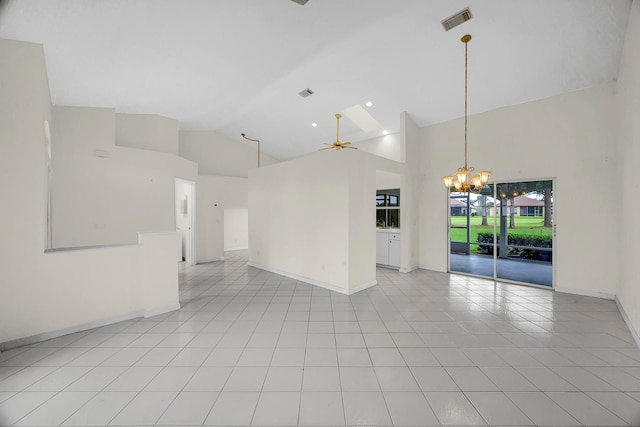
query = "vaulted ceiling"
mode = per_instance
[{"x": 237, "y": 65}]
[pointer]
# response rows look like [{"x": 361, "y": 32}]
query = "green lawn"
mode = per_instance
[{"x": 525, "y": 225}]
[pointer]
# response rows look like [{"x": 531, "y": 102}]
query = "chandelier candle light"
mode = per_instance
[{"x": 464, "y": 181}]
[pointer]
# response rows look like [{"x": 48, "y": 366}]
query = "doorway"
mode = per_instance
[
  {"x": 505, "y": 233},
  {"x": 388, "y": 207},
  {"x": 185, "y": 196}
]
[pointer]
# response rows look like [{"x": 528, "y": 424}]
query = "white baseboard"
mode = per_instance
[
  {"x": 20, "y": 342},
  {"x": 162, "y": 310},
  {"x": 70, "y": 330},
  {"x": 314, "y": 282},
  {"x": 581, "y": 292},
  {"x": 243, "y": 248},
  {"x": 432, "y": 268},
  {"x": 362, "y": 287},
  {"x": 204, "y": 261},
  {"x": 633, "y": 331},
  {"x": 409, "y": 270}
]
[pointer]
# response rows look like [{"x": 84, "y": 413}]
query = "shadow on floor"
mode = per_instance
[{"x": 535, "y": 272}]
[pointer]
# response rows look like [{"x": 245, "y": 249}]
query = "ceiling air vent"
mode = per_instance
[
  {"x": 300, "y": 2},
  {"x": 306, "y": 92},
  {"x": 457, "y": 19}
]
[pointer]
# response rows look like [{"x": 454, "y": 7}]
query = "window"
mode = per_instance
[
  {"x": 388, "y": 208},
  {"x": 530, "y": 211}
]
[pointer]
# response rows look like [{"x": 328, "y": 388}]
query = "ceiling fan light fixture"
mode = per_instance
[{"x": 337, "y": 144}]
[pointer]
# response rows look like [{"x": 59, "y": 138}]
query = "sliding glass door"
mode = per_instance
[{"x": 507, "y": 232}]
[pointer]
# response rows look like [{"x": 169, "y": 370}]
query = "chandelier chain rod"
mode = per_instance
[
  {"x": 464, "y": 179},
  {"x": 466, "y": 46}
]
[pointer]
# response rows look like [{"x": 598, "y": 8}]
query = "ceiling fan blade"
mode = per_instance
[
  {"x": 346, "y": 143},
  {"x": 328, "y": 148},
  {"x": 353, "y": 148}
]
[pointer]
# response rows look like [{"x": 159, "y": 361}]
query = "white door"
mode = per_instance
[{"x": 185, "y": 215}]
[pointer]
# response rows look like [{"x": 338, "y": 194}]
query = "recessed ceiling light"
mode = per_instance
[
  {"x": 369, "y": 104},
  {"x": 314, "y": 124},
  {"x": 385, "y": 132}
]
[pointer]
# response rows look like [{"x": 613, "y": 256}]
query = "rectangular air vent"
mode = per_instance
[
  {"x": 301, "y": 2},
  {"x": 306, "y": 92},
  {"x": 457, "y": 19}
]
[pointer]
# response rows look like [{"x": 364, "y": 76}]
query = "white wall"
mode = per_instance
[
  {"x": 108, "y": 200},
  {"x": 387, "y": 180},
  {"x": 313, "y": 218},
  {"x": 147, "y": 132},
  {"x": 628, "y": 291},
  {"x": 223, "y": 165},
  {"x": 218, "y": 155},
  {"x": 222, "y": 216},
  {"x": 209, "y": 219},
  {"x": 236, "y": 214},
  {"x": 387, "y": 146},
  {"x": 569, "y": 137},
  {"x": 298, "y": 219},
  {"x": 236, "y": 229},
  {"x": 410, "y": 195},
  {"x": 46, "y": 294},
  {"x": 361, "y": 217}
]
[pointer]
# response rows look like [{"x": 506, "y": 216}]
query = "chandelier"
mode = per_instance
[{"x": 464, "y": 181}]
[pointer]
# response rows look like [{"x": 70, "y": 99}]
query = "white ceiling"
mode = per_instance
[{"x": 237, "y": 65}]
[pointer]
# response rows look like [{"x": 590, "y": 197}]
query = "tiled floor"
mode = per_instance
[{"x": 253, "y": 348}]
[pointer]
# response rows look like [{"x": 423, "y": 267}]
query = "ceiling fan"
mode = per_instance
[{"x": 337, "y": 144}]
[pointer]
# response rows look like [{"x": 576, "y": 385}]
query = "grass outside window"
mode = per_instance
[{"x": 525, "y": 226}]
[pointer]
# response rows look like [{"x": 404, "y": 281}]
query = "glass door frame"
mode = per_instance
[{"x": 495, "y": 277}]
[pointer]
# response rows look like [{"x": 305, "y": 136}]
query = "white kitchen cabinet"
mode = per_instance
[
  {"x": 394, "y": 249},
  {"x": 388, "y": 247},
  {"x": 382, "y": 248}
]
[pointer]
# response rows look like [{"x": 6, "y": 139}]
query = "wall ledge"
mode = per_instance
[{"x": 89, "y": 247}]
